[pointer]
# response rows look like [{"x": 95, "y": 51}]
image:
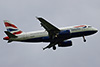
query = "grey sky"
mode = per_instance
[{"x": 61, "y": 13}]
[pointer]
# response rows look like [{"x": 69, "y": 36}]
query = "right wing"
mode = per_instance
[{"x": 50, "y": 45}]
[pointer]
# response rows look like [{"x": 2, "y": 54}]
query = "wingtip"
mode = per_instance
[
  {"x": 38, "y": 17},
  {"x": 44, "y": 48}
]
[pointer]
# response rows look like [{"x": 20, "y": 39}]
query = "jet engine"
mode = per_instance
[{"x": 65, "y": 44}]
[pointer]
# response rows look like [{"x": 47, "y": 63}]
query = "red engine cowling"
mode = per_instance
[{"x": 65, "y": 44}]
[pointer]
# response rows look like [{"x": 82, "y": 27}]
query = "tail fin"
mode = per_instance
[{"x": 12, "y": 28}]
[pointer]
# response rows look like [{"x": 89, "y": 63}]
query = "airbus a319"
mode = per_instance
[{"x": 52, "y": 34}]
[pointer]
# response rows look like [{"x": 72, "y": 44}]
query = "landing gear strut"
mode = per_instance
[
  {"x": 54, "y": 47},
  {"x": 84, "y": 39}
]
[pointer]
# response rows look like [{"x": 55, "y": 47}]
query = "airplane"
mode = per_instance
[{"x": 52, "y": 34}]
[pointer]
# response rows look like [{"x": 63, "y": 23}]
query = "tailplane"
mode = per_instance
[
  {"x": 10, "y": 35},
  {"x": 12, "y": 28}
]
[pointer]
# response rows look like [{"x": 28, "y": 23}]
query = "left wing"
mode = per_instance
[{"x": 52, "y": 31}]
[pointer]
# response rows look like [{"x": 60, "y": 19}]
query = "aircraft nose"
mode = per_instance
[{"x": 95, "y": 30}]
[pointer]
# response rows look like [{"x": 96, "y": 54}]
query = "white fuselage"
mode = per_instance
[{"x": 75, "y": 31}]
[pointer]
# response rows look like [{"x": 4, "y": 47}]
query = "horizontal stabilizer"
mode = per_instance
[
  {"x": 9, "y": 41},
  {"x": 10, "y": 35}
]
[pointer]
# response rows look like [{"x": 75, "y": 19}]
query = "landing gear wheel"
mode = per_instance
[
  {"x": 54, "y": 47},
  {"x": 84, "y": 39}
]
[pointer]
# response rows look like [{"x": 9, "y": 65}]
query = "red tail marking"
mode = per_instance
[
  {"x": 19, "y": 32},
  {"x": 8, "y": 24}
]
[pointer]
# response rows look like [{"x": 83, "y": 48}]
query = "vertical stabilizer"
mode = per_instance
[{"x": 12, "y": 28}]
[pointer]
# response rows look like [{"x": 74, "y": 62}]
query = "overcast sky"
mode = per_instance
[{"x": 61, "y": 13}]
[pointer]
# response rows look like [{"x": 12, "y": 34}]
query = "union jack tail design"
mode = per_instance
[{"x": 12, "y": 28}]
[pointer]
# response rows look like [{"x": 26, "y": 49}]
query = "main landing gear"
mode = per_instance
[
  {"x": 54, "y": 47},
  {"x": 84, "y": 39}
]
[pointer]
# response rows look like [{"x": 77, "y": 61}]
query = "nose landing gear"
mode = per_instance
[{"x": 84, "y": 39}]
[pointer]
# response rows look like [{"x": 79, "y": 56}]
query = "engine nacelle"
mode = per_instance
[{"x": 65, "y": 44}]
